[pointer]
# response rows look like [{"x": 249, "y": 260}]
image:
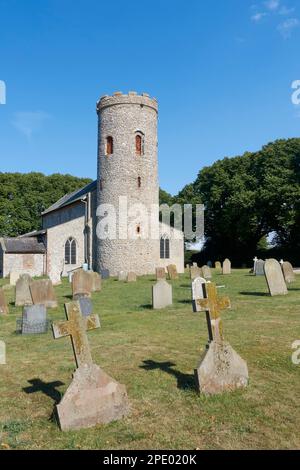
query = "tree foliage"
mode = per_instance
[
  {"x": 248, "y": 197},
  {"x": 24, "y": 196}
]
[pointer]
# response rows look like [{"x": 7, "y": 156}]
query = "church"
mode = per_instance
[{"x": 127, "y": 176}]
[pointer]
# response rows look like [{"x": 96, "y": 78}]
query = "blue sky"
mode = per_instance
[{"x": 222, "y": 71}]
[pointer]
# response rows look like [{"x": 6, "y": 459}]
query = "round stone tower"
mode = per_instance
[{"x": 127, "y": 179}]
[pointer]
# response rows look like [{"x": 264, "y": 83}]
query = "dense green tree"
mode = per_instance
[
  {"x": 24, "y": 196},
  {"x": 247, "y": 197},
  {"x": 165, "y": 198}
]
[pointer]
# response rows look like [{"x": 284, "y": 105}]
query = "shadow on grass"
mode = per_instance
[
  {"x": 185, "y": 285},
  {"x": 185, "y": 301},
  {"x": 257, "y": 294},
  {"x": 49, "y": 389},
  {"x": 146, "y": 306},
  {"x": 69, "y": 297},
  {"x": 184, "y": 381}
]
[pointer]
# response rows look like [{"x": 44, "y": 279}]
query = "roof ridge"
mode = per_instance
[{"x": 70, "y": 197}]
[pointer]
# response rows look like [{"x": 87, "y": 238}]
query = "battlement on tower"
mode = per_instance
[{"x": 131, "y": 98}]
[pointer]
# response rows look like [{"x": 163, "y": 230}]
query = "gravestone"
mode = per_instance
[
  {"x": 3, "y": 304},
  {"x": 161, "y": 295},
  {"x": 288, "y": 272},
  {"x": 105, "y": 273},
  {"x": 226, "y": 266},
  {"x": 195, "y": 272},
  {"x": 93, "y": 397},
  {"x": 34, "y": 320},
  {"x": 13, "y": 277},
  {"x": 254, "y": 265},
  {"x": 220, "y": 369},
  {"x": 2, "y": 353},
  {"x": 86, "y": 306},
  {"x": 122, "y": 276},
  {"x": 23, "y": 294},
  {"x": 218, "y": 265},
  {"x": 209, "y": 264},
  {"x": 206, "y": 272},
  {"x": 195, "y": 265},
  {"x": 42, "y": 293},
  {"x": 172, "y": 272},
  {"x": 160, "y": 273},
  {"x": 95, "y": 281},
  {"x": 274, "y": 278},
  {"x": 81, "y": 284},
  {"x": 259, "y": 267},
  {"x": 131, "y": 277},
  {"x": 55, "y": 278},
  {"x": 198, "y": 292}
]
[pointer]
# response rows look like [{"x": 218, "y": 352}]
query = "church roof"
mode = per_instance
[
  {"x": 72, "y": 197},
  {"x": 23, "y": 245}
]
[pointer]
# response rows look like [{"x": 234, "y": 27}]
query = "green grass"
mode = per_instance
[{"x": 154, "y": 353}]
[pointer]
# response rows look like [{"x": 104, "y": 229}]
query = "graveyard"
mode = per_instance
[{"x": 154, "y": 352}]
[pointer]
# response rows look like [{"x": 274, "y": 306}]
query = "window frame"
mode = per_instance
[
  {"x": 70, "y": 252},
  {"x": 139, "y": 151},
  {"x": 109, "y": 145},
  {"x": 164, "y": 247}
]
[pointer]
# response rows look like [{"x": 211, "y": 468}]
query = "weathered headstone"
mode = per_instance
[
  {"x": 160, "y": 273},
  {"x": 42, "y": 293},
  {"x": 34, "y": 319},
  {"x": 172, "y": 272},
  {"x": 23, "y": 294},
  {"x": 226, "y": 266},
  {"x": 259, "y": 267},
  {"x": 288, "y": 272},
  {"x": 105, "y": 273},
  {"x": 218, "y": 265},
  {"x": 131, "y": 277},
  {"x": 2, "y": 353},
  {"x": 206, "y": 272},
  {"x": 13, "y": 277},
  {"x": 195, "y": 265},
  {"x": 96, "y": 284},
  {"x": 122, "y": 276},
  {"x": 81, "y": 284},
  {"x": 274, "y": 278},
  {"x": 3, "y": 304},
  {"x": 221, "y": 369},
  {"x": 198, "y": 292},
  {"x": 195, "y": 272},
  {"x": 93, "y": 397},
  {"x": 209, "y": 264},
  {"x": 86, "y": 306},
  {"x": 76, "y": 327},
  {"x": 161, "y": 295},
  {"x": 55, "y": 278}
]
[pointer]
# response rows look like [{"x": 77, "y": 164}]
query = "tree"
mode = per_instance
[
  {"x": 247, "y": 197},
  {"x": 24, "y": 196}
]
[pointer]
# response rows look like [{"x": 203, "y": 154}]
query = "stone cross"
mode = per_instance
[
  {"x": 213, "y": 305},
  {"x": 76, "y": 326}
]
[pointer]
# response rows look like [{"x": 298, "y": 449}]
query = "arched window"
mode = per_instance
[
  {"x": 70, "y": 251},
  {"x": 109, "y": 145},
  {"x": 139, "y": 182},
  {"x": 164, "y": 248},
  {"x": 139, "y": 143},
  {"x": 138, "y": 229}
]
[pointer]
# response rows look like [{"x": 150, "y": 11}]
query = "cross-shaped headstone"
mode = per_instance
[
  {"x": 76, "y": 326},
  {"x": 213, "y": 305}
]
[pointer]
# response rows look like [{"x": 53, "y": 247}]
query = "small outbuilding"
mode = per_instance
[{"x": 23, "y": 255}]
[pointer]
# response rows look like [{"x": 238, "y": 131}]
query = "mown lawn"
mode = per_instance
[{"x": 154, "y": 353}]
